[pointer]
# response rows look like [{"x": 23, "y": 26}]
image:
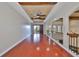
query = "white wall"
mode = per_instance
[
  {"x": 26, "y": 30},
  {"x": 11, "y": 24},
  {"x": 46, "y": 27}
]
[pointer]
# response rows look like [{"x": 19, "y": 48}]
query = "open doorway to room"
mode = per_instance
[
  {"x": 37, "y": 32},
  {"x": 57, "y": 30},
  {"x": 74, "y": 32},
  {"x": 38, "y": 29}
]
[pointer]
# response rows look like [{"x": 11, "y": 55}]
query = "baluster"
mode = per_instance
[{"x": 73, "y": 42}]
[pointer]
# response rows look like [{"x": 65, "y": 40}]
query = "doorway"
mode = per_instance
[{"x": 38, "y": 29}]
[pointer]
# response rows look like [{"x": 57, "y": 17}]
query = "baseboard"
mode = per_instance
[
  {"x": 61, "y": 46},
  {"x": 13, "y": 46}
]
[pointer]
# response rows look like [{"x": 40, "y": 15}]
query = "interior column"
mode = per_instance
[{"x": 65, "y": 31}]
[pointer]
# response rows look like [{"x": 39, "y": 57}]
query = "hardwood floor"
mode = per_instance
[{"x": 37, "y": 46}]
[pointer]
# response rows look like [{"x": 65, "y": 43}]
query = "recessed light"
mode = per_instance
[
  {"x": 48, "y": 49},
  {"x": 54, "y": 43},
  {"x": 38, "y": 48},
  {"x": 56, "y": 54}
]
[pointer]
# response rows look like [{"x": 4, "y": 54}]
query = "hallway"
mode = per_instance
[{"x": 35, "y": 46}]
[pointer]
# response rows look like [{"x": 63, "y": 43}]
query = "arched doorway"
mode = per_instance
[{"x": 74, "y": 32}]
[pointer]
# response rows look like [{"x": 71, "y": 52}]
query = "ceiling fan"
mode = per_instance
[{"x": 39, "y": 16}]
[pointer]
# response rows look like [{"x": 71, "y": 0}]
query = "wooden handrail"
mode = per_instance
[
  {"x": 73, "y": 34},
  {"x": 73, "y": 42}
]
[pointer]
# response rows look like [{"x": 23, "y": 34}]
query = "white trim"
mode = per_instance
[
  {"x": 69, "y": 51},
  {"x": 13, "y": 46}
]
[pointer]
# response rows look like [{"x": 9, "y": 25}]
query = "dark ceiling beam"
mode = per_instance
[
  {"x": 74, "y": 18},
  {"x": 77, "y": 11},
  {"x": 37, "y": 3}
]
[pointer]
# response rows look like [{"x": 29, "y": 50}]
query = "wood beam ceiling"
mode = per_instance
[
  {"x": 77, "y": 11},
  {"x": 37, "y": 3},
  {"x": 74, "y": 18}
]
